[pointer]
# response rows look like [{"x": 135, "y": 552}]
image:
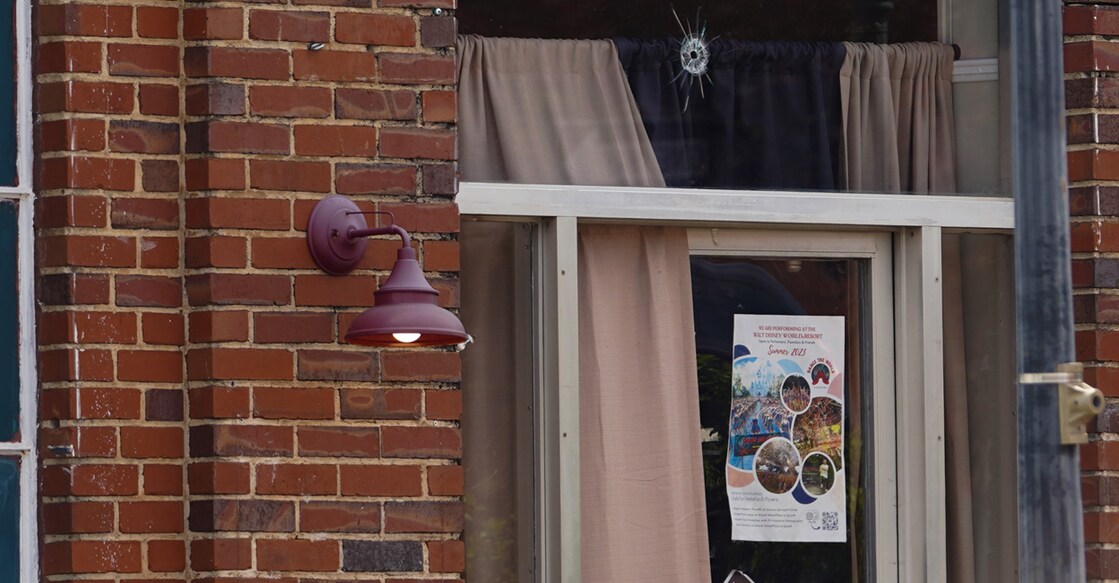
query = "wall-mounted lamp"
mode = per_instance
[{"x": 404, "y": 311}]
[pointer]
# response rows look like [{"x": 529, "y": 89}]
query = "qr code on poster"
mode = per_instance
[{"x": 831, "y": 520}]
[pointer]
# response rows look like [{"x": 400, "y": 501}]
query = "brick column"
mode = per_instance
[
  {"x": 310, "y": 457},
  {"x": 1092, "y": 96},
  {"x": 111, "y": 324}
]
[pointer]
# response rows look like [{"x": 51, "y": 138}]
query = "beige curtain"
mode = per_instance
[
  {"x": 561, "y": 112},
  {"x": 899, "y": 137}
]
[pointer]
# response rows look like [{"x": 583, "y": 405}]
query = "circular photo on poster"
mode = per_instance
[
  {"x": 817, "y": 475},
  {"x": 776, "y": 465},
  {"x": 796, "y": 393},
  {"x": 820, "y": 428}
]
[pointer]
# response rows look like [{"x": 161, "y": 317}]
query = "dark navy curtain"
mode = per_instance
[{"x": 769, "y": 117}]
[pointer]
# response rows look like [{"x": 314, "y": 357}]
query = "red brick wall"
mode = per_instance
[
  {"x": 200, "y": 412},
  {"x": 1092, "y": 96}
]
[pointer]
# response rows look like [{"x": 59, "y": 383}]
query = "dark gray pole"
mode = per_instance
[{"x": 1050, "y": 523}]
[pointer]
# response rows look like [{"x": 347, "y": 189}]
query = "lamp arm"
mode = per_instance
[{"x": 406, "y": 239}]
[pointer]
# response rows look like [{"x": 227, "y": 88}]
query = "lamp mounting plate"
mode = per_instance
[{"x": 331, "y": 249}]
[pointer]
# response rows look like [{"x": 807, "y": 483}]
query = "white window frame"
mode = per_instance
[
  {"x": 23, "y": 195},
  {"x": 914, "y": 223}
]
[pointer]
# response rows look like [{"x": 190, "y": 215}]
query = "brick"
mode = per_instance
[
  {"x": 326, "y": 65},
  {"x": 85, "y": 97},
  {"x": 445, "y": 405},
  {"x": 212, "y": 23},
  {"x": 162, "y": 328},
  {"x": 151, "y": 517},
  {"x": 87, "y": 442},
  {"x": 215, "y": 99},
  {"x": 239, "y": 363},
  {"x": 222, "y": 554},
  {"x": 441, "y": 256},
  {"x": 283, "y": 101},
  {"x": 289, "y": 26},
  {"x": 218, "y": 478},
  {"x": 440, "y": 106},
  {"x": 374, "y": 104},
  {"x": 421, "y": 366},
  {"x": 87, "y": 251},
  {"x": 219, "y": 326},
  {"x": 381, "y": 403},
  {"x": 157, "y": 22},
  {"x": 342, "y": 3},
  {"x": 72, "y": 135},
  {"x": 285, "y": 327},
  {"x": 424, "y": 517},
  {"x": 238, "y": 289},
  {"x": 241, "y": 515},
  {"x": 354, "y": 517},
  {"x": 446, "y": 556},
  {"x": 440, "y": 179},
  {"x": 417, "y": 3},
  {"x": 90, "y": 480},
  {"x": 88, "y": 173},
  {"x": 91, "y": 557},
  {"x": 218, "y": 174},
  {"x": 293, "y": 403},
  {"x": 163, "y": 405},
  {"x": 148, "y": 291},
  {"x": 143, "y": 60},
  {"x": 75, "y": 365},
  {"x": 331, "y": 290},
  {"x": 212, "y": 251},
  {"x": 418, "y": 143},
  {"x": 219, "y": 403},
  {"x": 151, "y": 442},
  {"x": 84, "y": 20},
  {"x": 227, "y": 136},
  {"x": 297, "y": 479},
  {"x": 283, "y": 253},
  {"x": 159, "y": 100},
  {"x": 289, "y": 176},
  {"x": 87, "y": 328},
  {"x": 143, "y": 137},
  {"x": 242, "y": 440},
  {"x": 374, "y": 179},
  {"x": 159, "y": 175},
  {"x": 236, "y": 62},
  {"x": 70, "y": 211},
  {"x": 375, "y": 29},
  {"x": 77, "y": 518},
  {"x": 367, "y": 480},
  {"x": 446, "y": 480},
  {"x": 438, "y": 31},
  {"x": 166, "y": 556},
  {"x": 337, "y": 365},
  {"x": 421, "y": 442},
  {"x": 158, "y": 366},
  {"x": 159, "y": 252},
  {"x": 297, "y": 555},
  {"x": 69, "y": 57},
  {"x": 163, "y": 479},
  {"x": 329, "y": 140},
  {"x": 426, "y": 218},
  {"x": 361, "y": 442},
  {"x": 378, "y": 557},
  {"x": 106, "y": 403},
  {"x": 145, "y": 213},
  {"x": 408, "y": 69}
]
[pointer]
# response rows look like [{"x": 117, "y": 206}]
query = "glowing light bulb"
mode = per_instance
[{"x": 406, "y": 337}]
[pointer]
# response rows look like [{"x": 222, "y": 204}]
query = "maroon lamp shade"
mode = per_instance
[{"x": 405, "y": 312}]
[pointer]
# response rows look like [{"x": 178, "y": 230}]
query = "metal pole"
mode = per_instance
[{"x": 1050, "y": 523}]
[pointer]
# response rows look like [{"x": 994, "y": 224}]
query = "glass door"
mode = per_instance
[{"x": 793, "y": 400}]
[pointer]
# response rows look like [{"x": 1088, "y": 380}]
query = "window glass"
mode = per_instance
[
  {"x": 721, "y": 288},
  {"x": 796, "y": 95},
  {"x": 9, "y": 320},
  {"x": 8, "y": 144},
  {"x": 9, "y": 519}
]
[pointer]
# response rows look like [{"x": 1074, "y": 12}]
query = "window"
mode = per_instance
[
  {"x": 790, "y": 216},
  {"x": 18, "y": 412}
]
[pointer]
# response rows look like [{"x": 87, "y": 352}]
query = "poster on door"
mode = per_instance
[{"x": 785, "y": 465}]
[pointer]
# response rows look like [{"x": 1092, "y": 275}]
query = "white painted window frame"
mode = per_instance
[
  {"x": 915, "y": 225},
  {"x": 24, "y": 196}
]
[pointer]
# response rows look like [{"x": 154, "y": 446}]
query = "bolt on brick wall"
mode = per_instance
[
  {"x": 1092, "y": 97},
  {"x": 192, "y": 353}
]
